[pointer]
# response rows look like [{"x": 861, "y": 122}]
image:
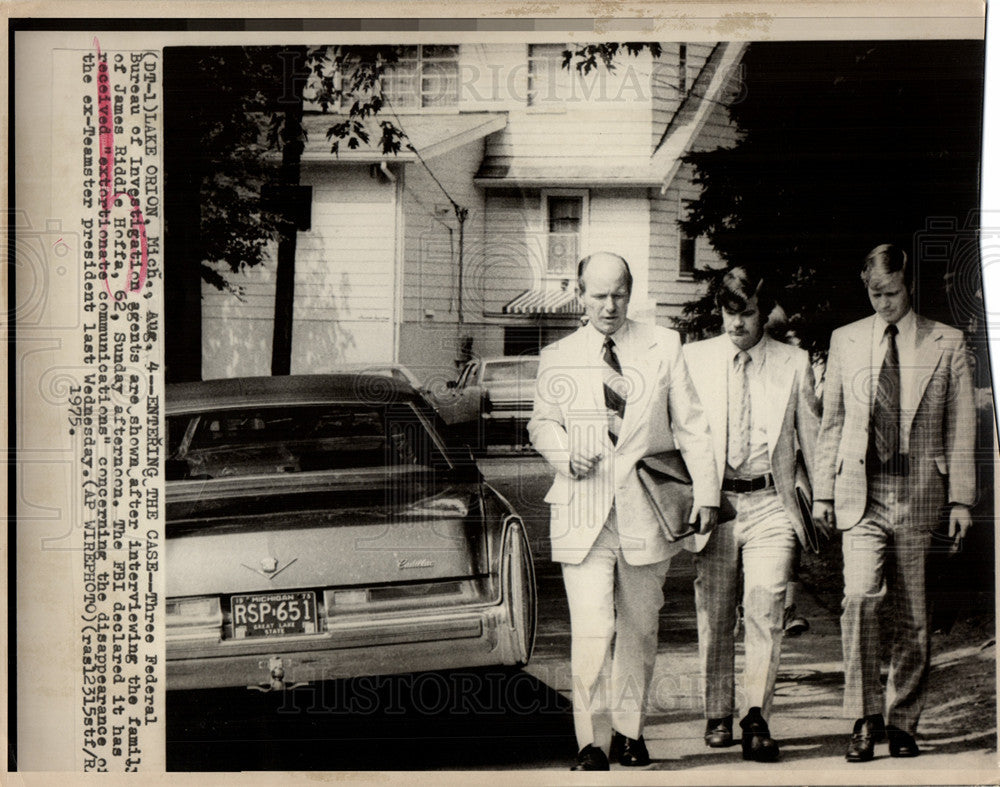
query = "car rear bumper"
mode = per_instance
[{"x": 446, "y": 640}]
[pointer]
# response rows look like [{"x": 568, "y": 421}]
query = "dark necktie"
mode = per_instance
[
  {"x": 614, "y": 390},
  {"x": 885, "y": 413}
]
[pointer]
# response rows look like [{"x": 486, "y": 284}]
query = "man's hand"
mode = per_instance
[
  {"x": 959, "y": 522},
  {"x": 823, "y": 517},
  {"x": 582, "y": 465},
  {"x": 707, "y": 517}
]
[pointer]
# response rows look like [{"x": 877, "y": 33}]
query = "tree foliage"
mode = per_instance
[
  {"x": 239, "y": 118},
  {"x": 584, "y": 58},
  {"x": 842, "y": 146}
]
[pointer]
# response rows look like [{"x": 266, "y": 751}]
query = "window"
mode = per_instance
[
  {"x": 687, "y": 247},
  {"x": 682, "y": 69},
  {"x": 267, "y": 440},
  {"x": 425, "y": 76},
  {"x": 522, "y": 340},
  {"x": 468, "y": 376},
  {"x": 548, "y": 81},
  {"x": 687, "y": 254},
  {"x": 564, "y": 231}
]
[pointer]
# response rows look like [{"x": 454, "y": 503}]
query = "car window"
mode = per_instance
[
  {"x": 520, "y": 370},
  {"x": 298, "y": 439},
  {"x": 468, "y": 375}
]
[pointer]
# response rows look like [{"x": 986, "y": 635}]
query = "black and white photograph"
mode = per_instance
[
  {"x": 391, "y": 498},
  {"x": 429, "y": 393}
]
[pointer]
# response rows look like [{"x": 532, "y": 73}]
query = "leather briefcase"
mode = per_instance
[{"x": 667, "y": 484}]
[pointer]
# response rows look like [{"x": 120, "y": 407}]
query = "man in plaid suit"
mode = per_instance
[
  {"x": 759, "y": 397},
  {"x": 607, "y": 395},
  {"x": 895, "y": 459}
]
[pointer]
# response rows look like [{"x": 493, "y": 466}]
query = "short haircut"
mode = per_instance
[
  {"x": 887, "y": 259},
  {"x": 738, "y": 286},
  {"x": 586, "y": 261}
]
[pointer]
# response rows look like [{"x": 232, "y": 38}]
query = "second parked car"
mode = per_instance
[{"x": 498, "y": 391}]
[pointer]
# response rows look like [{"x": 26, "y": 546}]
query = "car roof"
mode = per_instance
[
  {"x": 507, "y": 358},
  {"x": 287, "y": 389},
  {"x": 380, "y": 369}
]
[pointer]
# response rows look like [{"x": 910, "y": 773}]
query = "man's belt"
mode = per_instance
[
  {"x": 744, "y": 485},
  {"x": 895, "y": 465}
]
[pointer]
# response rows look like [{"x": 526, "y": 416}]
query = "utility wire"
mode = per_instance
[{"x": 399, "y": 124}]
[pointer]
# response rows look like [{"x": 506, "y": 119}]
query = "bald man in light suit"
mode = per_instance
[{"x": 600, "y": 406}]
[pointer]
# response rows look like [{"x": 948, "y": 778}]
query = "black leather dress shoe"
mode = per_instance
[
  {"x": 867, "y": 732},
  {"x": 719, "y": 732},
  {"x": 629, "y": 752},
  {"x": 758, "y": 745},
  {"x": 901, "y": 744},
  {"x": 591, "y": 758}
]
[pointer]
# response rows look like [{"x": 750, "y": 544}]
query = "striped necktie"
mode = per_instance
[
  {"x": 885, "y": 413},
  {"x": 739, "y": 414},
  {"x": 614, "y": 390}
]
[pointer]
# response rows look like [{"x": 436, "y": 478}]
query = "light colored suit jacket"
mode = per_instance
[
  {"x": 792, "y": 412},
  {"x": 663, "y": 413},
  {"x": 942, "y": 434}
]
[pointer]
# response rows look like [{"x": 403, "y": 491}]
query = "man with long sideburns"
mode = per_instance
[
  {"x": 759, "y": 397},
  {"x": 895, "y": 457},
  {"x": 607, "y": 395}
]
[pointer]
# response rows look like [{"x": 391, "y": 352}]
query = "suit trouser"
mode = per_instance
[
  {"x": 762, "y": 536},
  {"x": 612, "y": 599},
  {"x": 886, "y": 554}
]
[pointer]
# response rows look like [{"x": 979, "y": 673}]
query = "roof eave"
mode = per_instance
[{"x": 666, "y": 158}]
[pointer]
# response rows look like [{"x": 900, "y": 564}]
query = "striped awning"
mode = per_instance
[{"x": 545, "y": 301}]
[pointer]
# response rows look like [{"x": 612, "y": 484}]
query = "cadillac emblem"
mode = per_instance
[{"x": 421, "y": 562}]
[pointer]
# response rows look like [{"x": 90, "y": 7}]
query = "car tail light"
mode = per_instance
[
  {"x": 195, "y": 617},
  {"x": 395, "y": 597},
  {"x": 348, "y": 597}
]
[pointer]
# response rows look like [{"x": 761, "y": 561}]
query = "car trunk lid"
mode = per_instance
[{"x": 322, "y": 540}]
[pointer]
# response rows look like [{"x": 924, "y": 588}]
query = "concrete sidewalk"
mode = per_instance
[{"x": 957, "y": 733}]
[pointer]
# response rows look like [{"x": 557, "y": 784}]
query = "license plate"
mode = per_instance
[{"x": 273, "y": 614}]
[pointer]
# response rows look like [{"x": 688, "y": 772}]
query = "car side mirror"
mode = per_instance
[{"x": 451, "y": 384}]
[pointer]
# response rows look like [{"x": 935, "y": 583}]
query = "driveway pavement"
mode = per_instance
[{"x": 957, "y": 734}]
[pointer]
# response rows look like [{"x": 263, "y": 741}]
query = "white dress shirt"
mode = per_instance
[{"x": 621, "y": 338}]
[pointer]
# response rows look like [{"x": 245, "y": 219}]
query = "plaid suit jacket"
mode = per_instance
[{"x": 942, "y": 433}]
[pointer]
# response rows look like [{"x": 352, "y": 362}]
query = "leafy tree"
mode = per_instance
[
  {"x": 234, "y": 143},
  {"x": 842, "y": 146}
]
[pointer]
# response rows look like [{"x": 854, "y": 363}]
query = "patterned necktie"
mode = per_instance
[
  {"x": 739, "y": 414},
  {"x": 614, "y": 390},
  {"x": 885, "y": 413}
]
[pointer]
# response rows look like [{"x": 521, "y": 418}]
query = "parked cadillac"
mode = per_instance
[{"x": 319, "y": 527}]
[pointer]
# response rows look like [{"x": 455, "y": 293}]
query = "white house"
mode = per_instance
[{"x": 518, "y": 168}]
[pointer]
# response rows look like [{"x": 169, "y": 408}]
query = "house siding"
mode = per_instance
[
  {"x": 345, "y": 270},
  {"x": 666, "y": 97},
  {"x": 606, "y": 113},
  {"x": 237, "y": 331},
  {"x": 377, "y": 273},
  {"x": 668, "y": 289},
  {"x": 429, "y": 333}
]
